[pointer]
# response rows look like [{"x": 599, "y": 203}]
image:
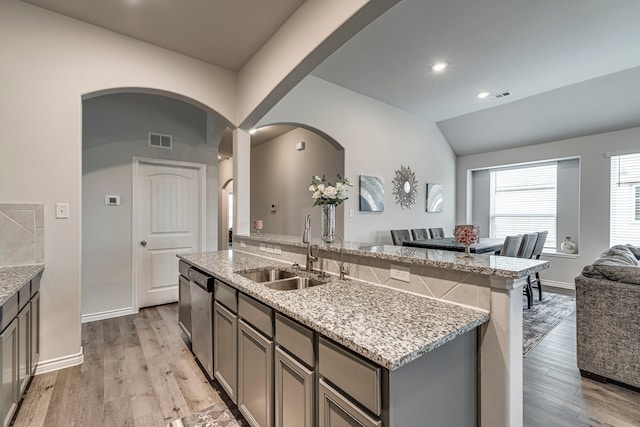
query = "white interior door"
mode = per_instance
[{"x": 168, "y": 212}]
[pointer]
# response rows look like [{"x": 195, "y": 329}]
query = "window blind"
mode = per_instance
[
  {"x": 523, "y": 200},
  {"x": 625, "y": 200}
]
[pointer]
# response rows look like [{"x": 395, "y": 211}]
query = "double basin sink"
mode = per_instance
[{"x": 281, "y": 280}]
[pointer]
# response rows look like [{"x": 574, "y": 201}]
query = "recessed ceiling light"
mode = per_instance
[
  {"x": 483, "y": 95},
  {"x": 439, "y": 66}
]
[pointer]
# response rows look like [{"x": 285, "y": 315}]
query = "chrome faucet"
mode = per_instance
[
  {"x": 343, "y": 271},
  {"x": 306, "y": 238}
]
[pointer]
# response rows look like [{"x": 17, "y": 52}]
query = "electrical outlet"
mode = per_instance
[
  {"x": 62, "y": 210},
  {"x": 400, "y": 273}
]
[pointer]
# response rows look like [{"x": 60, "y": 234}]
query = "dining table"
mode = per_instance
[{"x": 485, "y": 244}]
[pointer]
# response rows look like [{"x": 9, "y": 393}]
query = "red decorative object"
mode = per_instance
[
  {"x": 258, "y": 224},
  {"x": 467, "y": 234}
]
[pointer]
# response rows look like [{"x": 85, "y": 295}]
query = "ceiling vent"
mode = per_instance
[
  {"x": 161, "y": 141},
  {"x": 501, "y": 95}
]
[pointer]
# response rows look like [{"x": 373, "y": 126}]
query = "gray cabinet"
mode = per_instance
[
  {"x": 9, "y": 352},
  {"x": 24, "y": 344},
  {"x": 294, "y": 384},
  {"x": 255, "y": 376},
  {"x": 225, "y": 336},
  {"x": 35, "y": 333},
  {"x": 335, "y": 410}
]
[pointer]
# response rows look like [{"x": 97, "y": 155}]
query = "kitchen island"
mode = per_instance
[{"x": 400, "y": 330}]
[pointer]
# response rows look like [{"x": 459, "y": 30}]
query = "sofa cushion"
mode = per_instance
[{"x": 618, "y": 263}]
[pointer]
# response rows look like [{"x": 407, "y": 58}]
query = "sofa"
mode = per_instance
[{"x": 608, "y": 317}]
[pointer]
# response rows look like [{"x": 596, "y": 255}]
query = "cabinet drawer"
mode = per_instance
[
  {"x": 183, "y": 268},
  {"x": 257, "y": 314},
  {"x": 357, "y": 377},
  {"x": 226, "y": 295},
  {"x": 296, "y": 339}
]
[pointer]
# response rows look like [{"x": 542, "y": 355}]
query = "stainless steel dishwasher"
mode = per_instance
[{"x": 201, "y": 287}]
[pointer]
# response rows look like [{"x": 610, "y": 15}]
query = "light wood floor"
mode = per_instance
[{"x": 139, "y": 372}]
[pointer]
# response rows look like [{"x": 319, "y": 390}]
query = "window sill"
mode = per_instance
[{"x": 560, "y": 255}]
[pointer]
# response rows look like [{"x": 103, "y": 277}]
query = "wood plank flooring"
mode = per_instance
[
  {"x": 556, "y": 395},
  {"x": 138, "y": 371}
]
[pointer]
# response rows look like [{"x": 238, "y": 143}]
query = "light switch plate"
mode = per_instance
[{"x": 400, "y": 273}]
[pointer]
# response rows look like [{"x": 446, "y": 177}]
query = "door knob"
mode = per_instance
[{"x": 143, "y": 243}]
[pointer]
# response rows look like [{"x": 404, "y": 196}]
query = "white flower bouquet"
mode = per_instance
[{"x": 326, "y": 193}]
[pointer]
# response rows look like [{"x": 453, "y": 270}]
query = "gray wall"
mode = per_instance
[
  {"x": 568, "y": 202},
  {"x": 280, "y": 174},
  {"x": 593, "y": 196},
  {"x": 377, "y": 139},
  {"x": 115, "y": 129}
]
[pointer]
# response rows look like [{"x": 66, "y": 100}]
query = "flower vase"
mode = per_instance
[
  {"x": 568, "y": 246},
  {"x": 328, "y": 223}
]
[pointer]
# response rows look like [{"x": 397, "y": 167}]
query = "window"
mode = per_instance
[
  {"x": 625, "y": 200},
  {"x": 524, "y": 200}
]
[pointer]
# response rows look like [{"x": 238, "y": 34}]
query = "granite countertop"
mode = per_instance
[
  {"x": 484, "y": 264},
  {"x": 386, "y": 326},
  {"x": 13, "y": 278}
]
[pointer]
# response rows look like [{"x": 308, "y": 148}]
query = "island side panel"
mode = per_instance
[
  {"x": 500, "y": 355},
  {"x": 437, "y": 389}
]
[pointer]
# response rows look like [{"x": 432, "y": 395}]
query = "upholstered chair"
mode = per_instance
[
  {"x": 436, "y": 233},
  {"x": 399, "y": 236},
  {"x": 419, "y": 234}
]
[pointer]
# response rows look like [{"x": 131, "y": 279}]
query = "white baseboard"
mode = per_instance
[
  {"x": 60, "y": 363},
  {"x": 562, "y": 285},
  {"x": 107, "y": 314}
]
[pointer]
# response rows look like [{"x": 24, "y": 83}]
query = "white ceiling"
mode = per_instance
[
  {"x": 573, "y": 66},
  {"x": 527, "y": 47},
  {"x": 222, "y": 32}
]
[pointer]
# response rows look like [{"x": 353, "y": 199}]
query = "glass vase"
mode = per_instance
[{"x": 328, "y": 223}]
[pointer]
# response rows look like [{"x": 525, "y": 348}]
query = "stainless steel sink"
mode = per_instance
[
  {"x": 269, "y": 275},
  {"x": 280, "y": 280},
  {"x": 293, "y": 283}
]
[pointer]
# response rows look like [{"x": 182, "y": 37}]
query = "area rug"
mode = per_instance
[
  {"x": 543, "y": 317},
  {"x": 218, "y": 415}
]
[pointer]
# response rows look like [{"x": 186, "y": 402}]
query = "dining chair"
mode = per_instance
[
  {"x": 399, "y": 236},
  {"x": 436, "y": 233},
  {"x": 537, "y": 251},
  {"x": 526, "y": 250},
  {"x": 419, "y": 234},
  {"x": 511, "y": 245}
]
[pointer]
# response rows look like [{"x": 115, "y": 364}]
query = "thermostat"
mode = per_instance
[{"x": 112, "y": 200}]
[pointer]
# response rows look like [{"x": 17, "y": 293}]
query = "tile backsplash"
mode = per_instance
[{"x": 21, "y": 234}]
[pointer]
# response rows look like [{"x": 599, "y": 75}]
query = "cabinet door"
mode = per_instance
[
  {"x": 35, "y": 332},
  {"x": 335, "y": 410},
  {"x": 24, "y": 344},
  {"x": 184, "y": 306},
  {"x": 255, "y": 376},
  {"x": 294, "y": 402},
  {"x": 9, "y": 352},
  {"x": 225, "y": 336}
]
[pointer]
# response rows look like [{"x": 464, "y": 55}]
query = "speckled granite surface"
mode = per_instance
[
  {"x": 388, "y": 327},
  {"x": 485, "y": 264},
  {"x": 12, "y": 279}
]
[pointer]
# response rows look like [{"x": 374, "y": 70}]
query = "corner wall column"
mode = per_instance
[
  {"x": 241, "y": 181},
  {"x": 500, "y": 356}
]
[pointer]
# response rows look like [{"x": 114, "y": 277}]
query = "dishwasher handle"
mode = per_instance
[{"x": 201, "y": 279}]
